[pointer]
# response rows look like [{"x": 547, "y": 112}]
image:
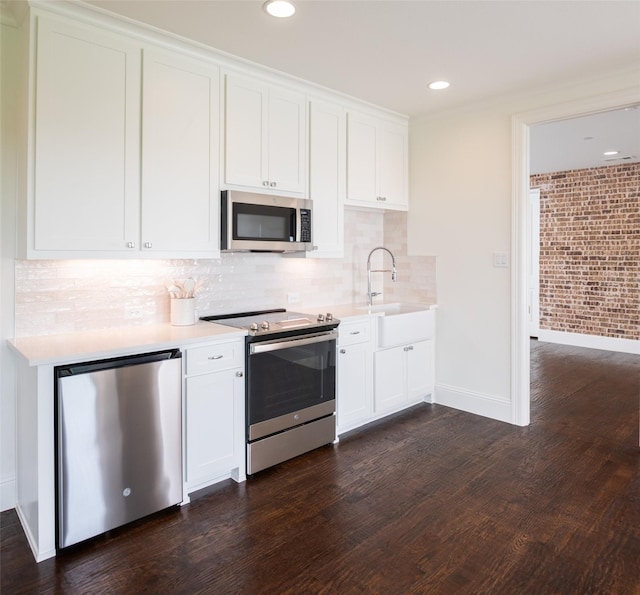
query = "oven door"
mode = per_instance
[{"x": 290, "y": 381}]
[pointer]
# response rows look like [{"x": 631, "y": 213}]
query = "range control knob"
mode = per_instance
[
  {"x": 329, "y": 317},
  {"x": 265, "y": 325},
  {"x": 320, "y": 317},
  {"x": 253, "y": 326}
]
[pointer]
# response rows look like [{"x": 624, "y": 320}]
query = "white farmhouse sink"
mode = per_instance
[{"x": 399, "y": 324}]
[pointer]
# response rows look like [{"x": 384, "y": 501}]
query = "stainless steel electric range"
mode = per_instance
[{"x": 290, "y": 383}]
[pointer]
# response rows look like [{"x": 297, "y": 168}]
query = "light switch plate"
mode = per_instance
[{"x": 500, "y": 260}]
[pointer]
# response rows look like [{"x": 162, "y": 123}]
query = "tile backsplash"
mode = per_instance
[{"x": 62, "y": 296}]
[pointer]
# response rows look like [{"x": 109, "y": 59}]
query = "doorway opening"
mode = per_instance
[{"x": 520, "y": 242}]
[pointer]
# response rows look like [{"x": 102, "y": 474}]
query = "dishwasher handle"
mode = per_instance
[{"x": 116, "y": 362}]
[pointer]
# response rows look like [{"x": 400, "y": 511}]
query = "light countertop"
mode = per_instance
[{"x": 116, "y": 342}]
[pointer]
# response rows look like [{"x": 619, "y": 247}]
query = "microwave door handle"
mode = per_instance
[
  {"x": 256, "y": 348},
  {"x": 298, "y": 223}
]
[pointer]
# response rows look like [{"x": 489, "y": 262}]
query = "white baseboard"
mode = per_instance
[
  {"x": 591, "y": 341},
  {"x": 33, "y": 543},
  {"x": 7, "y": 493},
  {"x": 473, "y": 402}
]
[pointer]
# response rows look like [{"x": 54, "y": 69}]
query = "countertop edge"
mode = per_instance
[{"x": 116, "y": 342}]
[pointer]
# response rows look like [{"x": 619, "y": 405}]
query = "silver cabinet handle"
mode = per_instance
[
  {"x": 343, "y": 351},
  {"x": 265, "y": 182},
  {"x": 409, "y": 348},
  {"x": 273, "y": 184},
  {"x": 148, "y": 245},
  {"x": 354, "y": 333},
  {"x": 215, "y": 357},
  {"x": 239, "y": 374},
  {"x": 131, "y": 244}
]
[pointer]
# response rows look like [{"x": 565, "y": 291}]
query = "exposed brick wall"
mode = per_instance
[{"x": 590, "y": 250}]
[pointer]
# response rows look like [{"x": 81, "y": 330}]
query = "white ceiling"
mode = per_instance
[
  {"x": 386, "y": 52},
  {"x": 581, "y": 142}
]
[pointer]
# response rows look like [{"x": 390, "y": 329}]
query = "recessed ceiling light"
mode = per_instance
[
  {"x": 611, "y": 153},
  {"x": 279, "y": 8},
  {"x": 438, "y": 85}
]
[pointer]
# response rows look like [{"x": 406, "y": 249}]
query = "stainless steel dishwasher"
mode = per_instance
[{"x": 118, "y": 442}]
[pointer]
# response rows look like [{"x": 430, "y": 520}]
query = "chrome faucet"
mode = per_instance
[{"x": 372, "y": 294}]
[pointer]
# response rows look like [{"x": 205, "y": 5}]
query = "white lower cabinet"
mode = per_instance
[
  {"x": 389, "y": 379},
  {"x": 374, "y": 381},
  {"x": 214, "y": 419},
  {"x": 355, "y": 375},
  {"x": 403, "y": 376}
]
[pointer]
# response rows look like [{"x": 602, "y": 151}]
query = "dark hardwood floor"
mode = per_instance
[{"x": 432, "y": 500}]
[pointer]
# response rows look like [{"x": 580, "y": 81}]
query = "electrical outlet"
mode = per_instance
[
  {"x": 293, "y": 298},
  {"x": 132, "y": 313}
]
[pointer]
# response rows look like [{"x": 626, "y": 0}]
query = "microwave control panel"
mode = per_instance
[{"x": 305, "y": 225}]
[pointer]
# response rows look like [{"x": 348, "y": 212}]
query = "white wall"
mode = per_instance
[
  {"x": 461, "y": 207},
  {"x": 8, "y": 83}
]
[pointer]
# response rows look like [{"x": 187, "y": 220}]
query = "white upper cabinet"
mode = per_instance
[
  {"x": 120, "y": 136},
  {"x": 85, "y": 193},
  {"x": 392, "y": 168},
  {"x": 126, "y": 148},
  {"x": 377, "y": 162},
  {"x": 327, "y": 177},
  {"x": 180, "y": 154},
  {"x": 265, "y": 139}
]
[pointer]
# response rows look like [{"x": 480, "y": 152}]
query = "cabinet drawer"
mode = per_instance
[
  {"x": 212, "y": 358},
  {"x": 354, "y": 332}
]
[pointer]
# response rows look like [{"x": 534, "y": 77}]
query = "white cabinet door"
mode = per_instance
[
  {"x": 390, "y": 379},
  {"x": 419, "y": 366},
  {"x": 361, "y": 158},
  {"x": 265, "y": 139},
  {"x": 354, "y": 385},
  {"x": 287, "y": 141},
  {"x": 327, "y": 178},
  {"x": 403, "y": 375},
  {"x": 180, "y": 140},
  {"x": 246, "y": 131},
  {"x": 87, "y": 139},
  {"x": 377, "y": 162},
  {"x": 212, "y": 422},
  {"x": 392, "y": 162}
]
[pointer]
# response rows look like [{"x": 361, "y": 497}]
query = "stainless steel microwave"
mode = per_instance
[{"x": 251, "y": 222}]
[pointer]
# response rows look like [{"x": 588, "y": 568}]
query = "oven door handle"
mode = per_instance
[{"x": 263, "y": 347}]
